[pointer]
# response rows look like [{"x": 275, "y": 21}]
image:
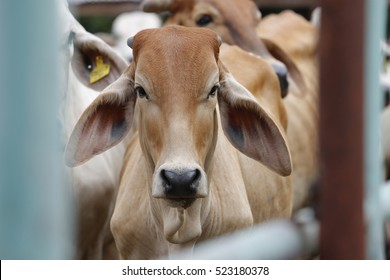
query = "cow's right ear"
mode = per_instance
[
  {"x": 292, "y": 68},
  {"x": 250, "y": 128},
  {"x": 103, "y": 124}
]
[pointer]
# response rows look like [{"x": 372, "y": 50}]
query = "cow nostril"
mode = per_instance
[
  {"x": 180, "y": 184},
  {"x": 282, "y": 73}
]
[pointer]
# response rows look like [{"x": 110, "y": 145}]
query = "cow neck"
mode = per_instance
[
  {"x": 77, "y": 100},
  {"x": 183, "y": 225}
]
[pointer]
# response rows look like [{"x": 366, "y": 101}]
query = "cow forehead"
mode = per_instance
[
  {"x": 176, "y": 55},
  {"x": 176, "y": 41}
]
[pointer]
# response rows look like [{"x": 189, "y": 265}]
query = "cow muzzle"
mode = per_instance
[{"x": 180, "y": 187}]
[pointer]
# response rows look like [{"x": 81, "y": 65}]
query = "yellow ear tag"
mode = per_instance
[{"x": 100, "y": 71}]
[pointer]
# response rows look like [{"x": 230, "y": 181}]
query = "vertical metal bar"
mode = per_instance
[
  {"x": 341, "y": 129},
  {"x": 374, "y": 32},
  {"x": 33, "y": 216},
  {"x": 385, "y": 200}
]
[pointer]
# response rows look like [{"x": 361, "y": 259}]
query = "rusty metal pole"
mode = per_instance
[{"x": 341, "y": 129}]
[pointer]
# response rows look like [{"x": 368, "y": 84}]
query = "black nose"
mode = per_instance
[
  {"x": 387, "y": 97},
  {"x": 180, "y": 185},
  {"x": 282, "y": 73}
]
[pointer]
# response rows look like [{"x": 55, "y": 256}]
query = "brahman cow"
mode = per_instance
[
  {"x": 90, "y": 65},
  {"x": 206, "y": 157},
  {"x": 234, "y": 21},
  {"x": 290, "y": 39},
  {"x": 297, "y": 38}
]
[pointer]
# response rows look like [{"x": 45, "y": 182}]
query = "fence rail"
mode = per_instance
[{"x": 276, "y": 239}]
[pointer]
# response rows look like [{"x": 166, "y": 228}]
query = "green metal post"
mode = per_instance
[
  {"x": 375, "y": 14},
  {"x": 34, "y": 210}
]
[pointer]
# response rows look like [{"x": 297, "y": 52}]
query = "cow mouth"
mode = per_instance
[{"x": 180, "y": 202}]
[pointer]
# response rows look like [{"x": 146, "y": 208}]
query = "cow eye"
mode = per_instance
[
  {"x": 141, "y": 92},
  {"x": 204, "y": 20},
  {"x": 87, "y": 63},
  {"x": 213, "y": 91}
]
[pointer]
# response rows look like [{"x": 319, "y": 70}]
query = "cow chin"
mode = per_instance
[
  {"x": 179, "y": 202},
  {"x": 179, "y": 186}
]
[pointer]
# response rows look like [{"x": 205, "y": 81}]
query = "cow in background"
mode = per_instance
[
  {"x": 295, "y": 36},
  {"x": 385, "y": 122},
  {"x": 89, "y": 66},
  {"x": 234, "y": 21},
  {"x": 128, "y": 24}
]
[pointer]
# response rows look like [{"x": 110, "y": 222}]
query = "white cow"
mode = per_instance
[
  {"x": 129, "y": 24},
  {"x": 90, "y": 65},
  {"x": 385, "y": 118}
]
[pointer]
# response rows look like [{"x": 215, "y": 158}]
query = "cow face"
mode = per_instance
[
  {"x": 177, "y": 86},
  {"x": 177, "y": 89}
]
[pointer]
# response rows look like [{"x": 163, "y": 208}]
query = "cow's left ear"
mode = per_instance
[
  {"x": 103, "y": 124},
  {"x": 95, "y": 63},
  {"x": 250, "y": 128}
]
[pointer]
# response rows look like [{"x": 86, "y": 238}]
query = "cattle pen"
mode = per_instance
[{"x": 354, "y": 201}]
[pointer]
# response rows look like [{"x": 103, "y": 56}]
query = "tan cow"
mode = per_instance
[
  {"x": 207, "y": 157},
  {"x": 299, "y": 39},
  {"x": 290, "y": 39},
  {"x": 234, "y": 21}
]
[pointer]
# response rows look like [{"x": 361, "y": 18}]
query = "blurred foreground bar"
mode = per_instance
[
  {"x": 341, "y": 130},
  {"x": 34, "y": 202}
]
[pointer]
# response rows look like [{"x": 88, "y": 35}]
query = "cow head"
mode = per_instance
[
  {"x": 81, "y": 52},
  {"x": 174, "y": 91},
  {"x": 235, "y": 21}
]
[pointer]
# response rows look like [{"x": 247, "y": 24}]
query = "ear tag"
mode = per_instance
[{"x": 100, "y": 71}]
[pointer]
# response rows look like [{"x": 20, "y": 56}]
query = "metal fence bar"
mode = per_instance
[
  {"x": 341, "y": 129},
  {"x": 374, "y": 31},
  {"x": 33, "y": 201},
  {"x": 276, "y": 239},
  {"x": 385, "y": 201}
]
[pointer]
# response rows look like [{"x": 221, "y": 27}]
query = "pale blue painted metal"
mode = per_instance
[
  {"x": 375, "y": 14},
  {"x": 275, "y": 239},
  {"x": 385, "y": 201},
  {"x": 34, "y": 202}
]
